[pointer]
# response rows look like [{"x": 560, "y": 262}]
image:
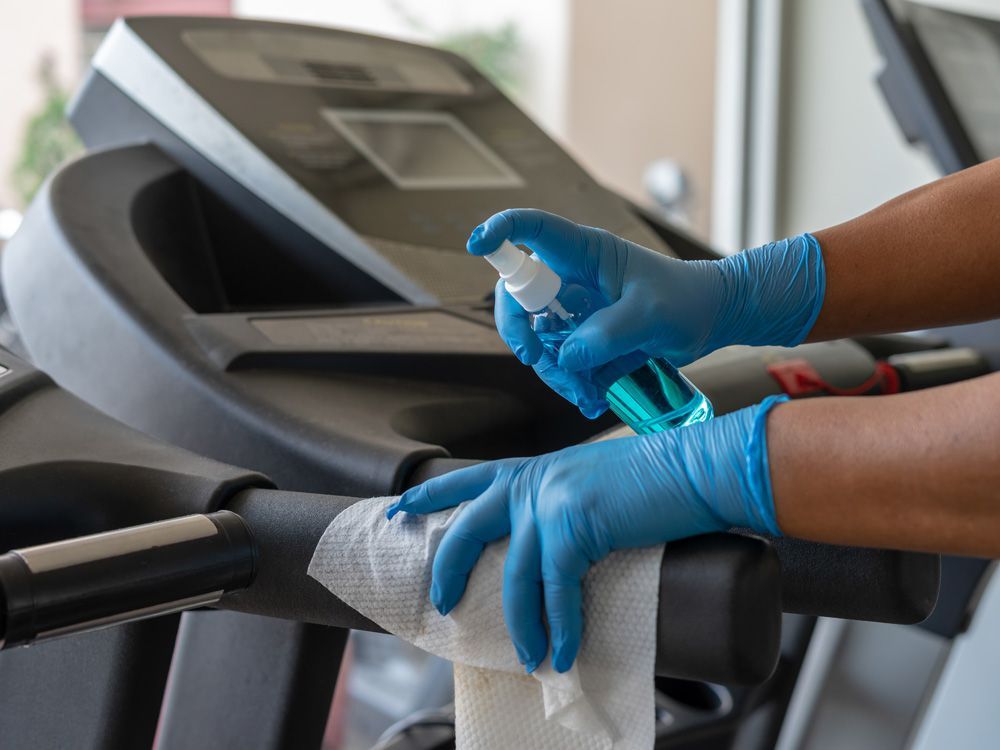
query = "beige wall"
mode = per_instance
[
  {"x": 28, "y": 31},
  {"x": 640, "y": 86}
]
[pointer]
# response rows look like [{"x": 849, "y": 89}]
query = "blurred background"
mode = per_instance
[{"x": 741, "y": 120}]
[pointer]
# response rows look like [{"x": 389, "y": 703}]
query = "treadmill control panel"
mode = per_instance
[
  {"x": 360, "y": 141},
  {"x": 314, "y": 58},
  {"x": 382, "y": 333}
]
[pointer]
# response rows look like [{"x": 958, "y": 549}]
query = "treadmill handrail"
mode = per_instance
[{"x": 719, "y": 616}]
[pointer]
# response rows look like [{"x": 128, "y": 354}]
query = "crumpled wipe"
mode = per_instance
[{"x": 382, "y": 569}]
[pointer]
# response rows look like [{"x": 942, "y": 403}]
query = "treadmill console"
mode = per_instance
[
  {"x": 941, "y": 78},
  {"x": 383, "y": 153}
]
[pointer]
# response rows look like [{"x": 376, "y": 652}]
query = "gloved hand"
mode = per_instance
[
  {"x": 658, "y": 306},
  {"x": 565, "y": 511}
]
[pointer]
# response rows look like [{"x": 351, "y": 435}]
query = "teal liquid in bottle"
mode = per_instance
[
  {"x": 652, "y": 397},
  {"x": 647, "y": 393}
]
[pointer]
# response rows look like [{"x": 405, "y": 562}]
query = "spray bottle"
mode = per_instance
[{"x": 649, "y": 395}]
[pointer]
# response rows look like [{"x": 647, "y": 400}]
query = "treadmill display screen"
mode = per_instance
[
  {"x": 419, "y": 150},
  {"x": 965, "y": 52}
]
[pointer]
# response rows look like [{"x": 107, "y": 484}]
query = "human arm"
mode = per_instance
[
  {"x": 656, "y": 305},
  {"x": 915, "y": 471},
  {"x": 912, "y": 471},
  {"x": 930, "y": 257}
]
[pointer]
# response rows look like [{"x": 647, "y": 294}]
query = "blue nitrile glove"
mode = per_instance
[
  {"x": 659, "y": 306},
  {"x": 565, "y": 511}
]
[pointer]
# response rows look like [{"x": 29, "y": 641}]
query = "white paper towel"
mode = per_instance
[{"x": 383, "y": 570}]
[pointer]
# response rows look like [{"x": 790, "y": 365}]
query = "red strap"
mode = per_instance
[{"x": 798, "y": 378}]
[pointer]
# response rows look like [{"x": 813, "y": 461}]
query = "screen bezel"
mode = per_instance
[{"x": 341, "y": 120}]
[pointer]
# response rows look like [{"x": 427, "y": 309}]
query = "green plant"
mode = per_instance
[
  {"x": 48, "y": 138},
  {"x": 494, "y": 52}
]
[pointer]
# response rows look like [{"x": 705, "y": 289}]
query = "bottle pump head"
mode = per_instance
[{"x": 528, "y": 280}]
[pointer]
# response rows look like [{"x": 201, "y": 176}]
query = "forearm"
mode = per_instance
[
  {"x": 929, "y": 257},
  {"x": 917, "y": 471}
]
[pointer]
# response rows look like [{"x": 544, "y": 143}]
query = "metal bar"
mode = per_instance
[{"x": 100, "y": 580}]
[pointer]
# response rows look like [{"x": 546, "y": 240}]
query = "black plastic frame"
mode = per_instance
[{"x": 914, "y": 93}]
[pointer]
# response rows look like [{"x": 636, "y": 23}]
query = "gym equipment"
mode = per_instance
[{"x": 261, "y": 260}]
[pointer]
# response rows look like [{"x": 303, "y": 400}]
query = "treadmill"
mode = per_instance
[{"x": 284, "y": 287}]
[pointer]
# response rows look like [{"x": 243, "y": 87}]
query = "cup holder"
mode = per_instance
[{"x": 697, "y": 697}]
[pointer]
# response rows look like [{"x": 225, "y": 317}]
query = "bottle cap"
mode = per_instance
[{"x": 528, "y": 280}]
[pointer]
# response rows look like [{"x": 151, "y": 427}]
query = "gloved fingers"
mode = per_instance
[
  {"x": 559, "y": 242},
  {"x": 522, "y": 596},
  {"x": 564, "y": 610},
  {"x": 563, "y": 567},
  {"x": 447, "y": 490},
  {"x": 482, "y": 521},
  {"x": 607, "y": 334},
  {"x": 514, "y": 327},
  {"x": 572, "y": 386}
]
